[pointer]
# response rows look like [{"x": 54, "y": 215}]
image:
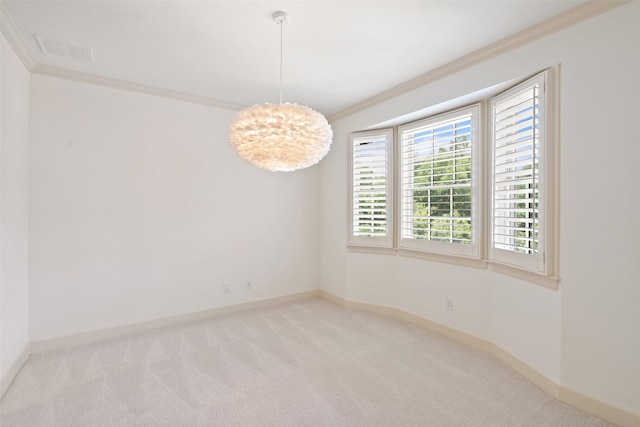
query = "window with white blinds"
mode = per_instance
[
  {"x": 517, "y": 130},
  {"x": 371, "y": 188},
  {"x": 473, "y": 186},
  {"x": 437, "y": 183}
]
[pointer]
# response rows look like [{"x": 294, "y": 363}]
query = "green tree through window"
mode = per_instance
[{"x": 437, "y": 180}]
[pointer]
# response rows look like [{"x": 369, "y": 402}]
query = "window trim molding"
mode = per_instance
[
  {"x": 551, "y": 282},
  {"x": 545, "y": 263},
  {"x": 372, "y": 250},
  {"x": 461, "y": 260},
  {"x": 552, "y": 174},
  {"x": 443, "y": 249}
]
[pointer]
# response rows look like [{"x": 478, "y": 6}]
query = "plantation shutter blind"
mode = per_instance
[
  {"x": 516, "y": 133},
  {"x": 371, "y": 189},
  {"x": 436, "y": 182}
]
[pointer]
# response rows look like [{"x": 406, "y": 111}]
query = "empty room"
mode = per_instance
[{"x": 319, "y": 213}]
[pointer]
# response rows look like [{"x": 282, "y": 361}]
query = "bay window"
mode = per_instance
[{"x": 464, "y": 195}]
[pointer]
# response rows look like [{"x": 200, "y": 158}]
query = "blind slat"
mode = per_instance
[
  {"x": 515, "y": 171},
  {"x": 369, "y": 186}
]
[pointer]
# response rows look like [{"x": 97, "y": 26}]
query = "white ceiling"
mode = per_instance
[{"x": 336, "y": 53}]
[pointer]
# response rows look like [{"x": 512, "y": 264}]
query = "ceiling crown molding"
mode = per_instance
[
  {"x": 8, "y": 28},
  {"x": 559, "y": 22},
  {"x": 78, "y": 76}
]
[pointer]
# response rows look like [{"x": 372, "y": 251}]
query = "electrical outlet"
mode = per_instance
[
  {"x": 249, "y": 285},
  {"x": 449, "y": 303},
  {"x": 226, "y": 288}
]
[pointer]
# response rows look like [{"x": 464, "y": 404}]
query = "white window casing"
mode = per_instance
[
  {"x": 523, "y": 214},
  {"x": 438, "y": 184}
]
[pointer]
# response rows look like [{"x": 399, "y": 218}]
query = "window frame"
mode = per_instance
[
  {"x": 377, "y": 242},
  {"x": 541, "y": 267},
  {"x": 471, "y": 250}
]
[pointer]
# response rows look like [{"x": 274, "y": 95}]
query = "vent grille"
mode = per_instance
[{"x": 58, "y": 48}]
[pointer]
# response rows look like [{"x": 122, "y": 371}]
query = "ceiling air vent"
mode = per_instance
[{"x": 55, "y": 47}]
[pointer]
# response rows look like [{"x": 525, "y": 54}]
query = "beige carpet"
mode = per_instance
[{"x": 306, "y": 363}]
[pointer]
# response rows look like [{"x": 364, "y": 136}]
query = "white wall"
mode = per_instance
[
  {"x": 14, "y": 150},
  {"x": 139, "y": 210},
  {"x": 585, "y": 335},
  {"x": 601, "y": 268}
]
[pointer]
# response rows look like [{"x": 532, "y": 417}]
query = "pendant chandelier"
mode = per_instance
[{"x": 280, "y": 137}]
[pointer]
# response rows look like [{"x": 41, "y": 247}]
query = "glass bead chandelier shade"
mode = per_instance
[{"x": 280, "y": 137}]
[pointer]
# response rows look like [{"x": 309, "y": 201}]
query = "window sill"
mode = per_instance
[
  {"x": 528, "y": 276},
  {"x": 447, "y": 259},
  {"x": 372, "y": 250}
]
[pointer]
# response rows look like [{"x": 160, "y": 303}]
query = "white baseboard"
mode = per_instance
[
  {"x": 7, "y": 378},
  {"x": 597, "y": 407},
  {"x": 102, "y": 334},
  {"x": 589, "y": 404}
]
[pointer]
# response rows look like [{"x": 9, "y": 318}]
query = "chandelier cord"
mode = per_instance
[{"x": 281, "y": 25}]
